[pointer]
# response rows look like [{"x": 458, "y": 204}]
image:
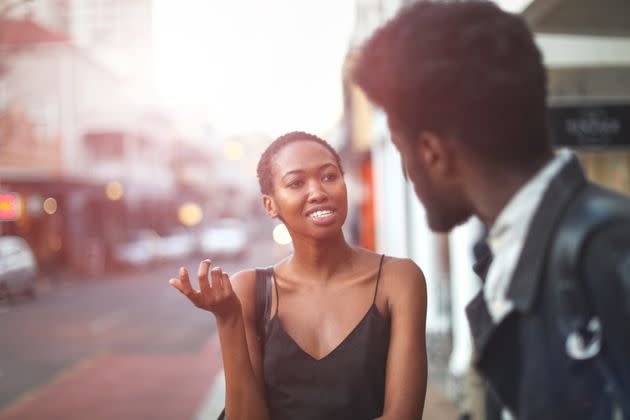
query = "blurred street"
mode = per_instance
[
  {"x": 130, "y": 137},
  {"x": 124, "y": 346}
]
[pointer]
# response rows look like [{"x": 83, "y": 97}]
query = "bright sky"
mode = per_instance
[
  {"x": 270, "y": 66},
  {"x": 514, "y": 6}
]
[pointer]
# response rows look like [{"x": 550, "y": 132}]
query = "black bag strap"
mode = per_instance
[
  {"x": 263, "y": 294},
  {"x": 575, "y": 319},
  {"x": 263, "y": 299}
]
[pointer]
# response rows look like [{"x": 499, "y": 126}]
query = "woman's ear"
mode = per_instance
[{"x": 270, "y": 206}]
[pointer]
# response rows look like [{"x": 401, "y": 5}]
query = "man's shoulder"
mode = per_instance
[
  {"x": 593, "y": 208},
  {"x": 592, "y": 235},
  {"x": 597, "y": 191},
  {"x": 594, "y": 238}
]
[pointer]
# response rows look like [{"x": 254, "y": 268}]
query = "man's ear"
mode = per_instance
[
  {"x": 270, "y": 206},
  {"x": 433, "y": 151}
]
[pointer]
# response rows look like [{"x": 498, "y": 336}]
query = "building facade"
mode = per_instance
[{"x": 77, "y": 130}]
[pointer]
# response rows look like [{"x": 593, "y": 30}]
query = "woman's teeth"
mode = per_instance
[{"x": 321, "y": 213}]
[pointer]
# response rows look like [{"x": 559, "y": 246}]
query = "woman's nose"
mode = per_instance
[{"x": 316, "y": 193}]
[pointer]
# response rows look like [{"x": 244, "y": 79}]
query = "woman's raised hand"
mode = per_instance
[{"x": 215, "y": 295}]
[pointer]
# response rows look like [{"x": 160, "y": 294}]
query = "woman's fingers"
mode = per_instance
[
  {"x": 215, "y": 287},
  {"x": 216, "y": 274},
  {"x": 202, "y": 275},
  {"x": 176, "y": 284},
  {"x": 183, "y": 284},
  {"x": 184, "y": 281},
  {"x": 226, "y": 284}
]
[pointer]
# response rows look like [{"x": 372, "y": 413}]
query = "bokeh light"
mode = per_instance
[
  {"x": 114, "y": 190},
  {"x": 190, "y": 214},
  {"x": 50, "y": 205},
  {"x": 281, "y": 234}
]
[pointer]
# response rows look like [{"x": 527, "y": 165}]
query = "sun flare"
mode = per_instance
[{"x": 272, "y": 66}]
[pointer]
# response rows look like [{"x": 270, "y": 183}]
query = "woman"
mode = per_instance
[{"x": 345, "y": 335}]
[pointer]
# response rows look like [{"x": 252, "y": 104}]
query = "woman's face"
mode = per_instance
[{"x": 309, "y": 192}]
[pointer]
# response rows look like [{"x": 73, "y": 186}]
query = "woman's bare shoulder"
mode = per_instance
[
  {"x": 244, "y": 285},
  {"x": 395, "y": 272},
  {"x": 245, "y": 277},
  {"x": 402, "y": 276},
  {"x": 404, "y": 268}
]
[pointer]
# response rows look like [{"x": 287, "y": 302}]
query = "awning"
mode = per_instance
[
  {"x": 51, "y": 185},
  {"x": 580, "y": 17}
]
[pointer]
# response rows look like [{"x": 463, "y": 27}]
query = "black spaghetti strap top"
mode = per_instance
[{"x": 346, "y": 384}]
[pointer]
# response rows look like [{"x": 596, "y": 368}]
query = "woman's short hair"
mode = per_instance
[{"x": 263, "y": 170}]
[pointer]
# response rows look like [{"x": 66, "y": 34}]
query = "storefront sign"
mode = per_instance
[{"x": 590, "y": 125}]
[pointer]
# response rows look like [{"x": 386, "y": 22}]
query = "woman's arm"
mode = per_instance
[
  {"x": 235, "y": 318},
  {"x": 406, "y": 377}
]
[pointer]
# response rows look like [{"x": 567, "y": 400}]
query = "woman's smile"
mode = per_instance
[
  {"x": 327, "y": 306},
  {"x": 309, "y": 184},
  {"x": 322, "y": 216}
]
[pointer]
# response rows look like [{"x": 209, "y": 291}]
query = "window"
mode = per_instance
[{"x": 105, "y": 145}]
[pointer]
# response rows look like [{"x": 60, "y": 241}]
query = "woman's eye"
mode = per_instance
[
  {"x": 295, "y": 184},
  {"x": 330, "y": 177}
]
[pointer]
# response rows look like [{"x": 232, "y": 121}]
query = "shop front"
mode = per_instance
[{"x": 65, "y": 221}]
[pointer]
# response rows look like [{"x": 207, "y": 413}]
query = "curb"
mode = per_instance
[{"x": 214, "y": 401}]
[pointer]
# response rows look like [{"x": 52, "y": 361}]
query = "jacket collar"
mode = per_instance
[{"x": 528, "y": 272}]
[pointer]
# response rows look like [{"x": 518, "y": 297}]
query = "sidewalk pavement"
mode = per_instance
[
  {"x": 437, "y": 405},
  {"x": 125, "y": 387},
  {"x": 156, "y": 387}
]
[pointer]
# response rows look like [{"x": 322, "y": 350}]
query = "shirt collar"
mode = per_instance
[{"x": 513, "y": 221}]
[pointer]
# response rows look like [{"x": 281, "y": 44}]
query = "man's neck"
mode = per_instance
[{"x": 494, "y": 189}]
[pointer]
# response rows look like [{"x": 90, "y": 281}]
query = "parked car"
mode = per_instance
[
  {"x": 224, "y": 238},
  {"x": 18, "y": 268},
  {"x": 178, "y": 243},
  {"x": 140, "y": 249}
]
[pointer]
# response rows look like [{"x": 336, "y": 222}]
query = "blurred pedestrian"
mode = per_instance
[
  {"x": 464, "y": 89},
  {"x": 343, "y": 328}
]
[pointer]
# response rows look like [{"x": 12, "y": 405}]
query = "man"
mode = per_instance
[{"x": 464, "y": 90}]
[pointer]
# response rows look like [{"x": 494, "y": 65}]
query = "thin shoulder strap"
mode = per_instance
[
  {"x": 275, "y": 287},
  {"x": 378, "y": 277}
]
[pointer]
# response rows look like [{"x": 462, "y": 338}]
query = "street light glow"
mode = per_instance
[
  {"x": 114, "y": 190},
  {"x": 50, "y": 205},
  {"x": 190, "y": 214}
]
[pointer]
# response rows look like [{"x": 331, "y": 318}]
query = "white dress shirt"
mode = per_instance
[{"x": 507, "y": 235}]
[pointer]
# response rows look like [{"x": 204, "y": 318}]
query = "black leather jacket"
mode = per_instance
[{"x": 523, "y": 357}]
